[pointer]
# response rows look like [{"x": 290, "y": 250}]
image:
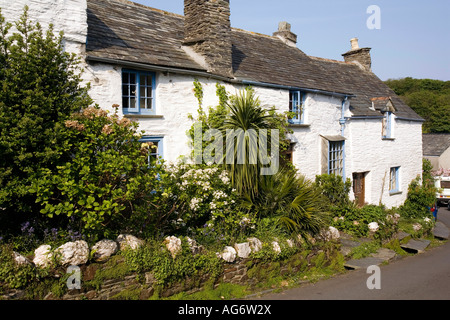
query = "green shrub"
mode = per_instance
[
  {"x": 335, "y": 189},
  {"x": 14, "y": 276},
  {"x": 40, "y": 88},
  {"x": 355, "y": 221},
  {"x": 107, "y": 174},
  {"x": 419, "y": 201}
]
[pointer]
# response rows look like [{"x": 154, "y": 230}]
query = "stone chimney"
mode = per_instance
[
  {"x": 285, "y": 34},
  {"x": 208, "y": 33},
  {"x": 359, "y": 56}
]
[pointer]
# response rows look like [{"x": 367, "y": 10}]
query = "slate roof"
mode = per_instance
[
  {"x": 125, "y": 31},
  {"x": 435, "y": 144}
]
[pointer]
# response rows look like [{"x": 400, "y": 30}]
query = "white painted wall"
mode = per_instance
[
  {"x": 370, "y": 153},
  {"x": 322, "y": 116},
  {"x": 69, "y": 16}
]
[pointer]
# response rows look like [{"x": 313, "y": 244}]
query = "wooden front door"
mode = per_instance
[{"x": 359, "y": 188}]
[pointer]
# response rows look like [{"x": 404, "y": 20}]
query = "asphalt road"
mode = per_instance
[{"x": 424, "y": 276}]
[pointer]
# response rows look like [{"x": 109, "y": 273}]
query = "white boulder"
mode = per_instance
[
  {"x": 195, "y": 248},
  {"x": 243, "y": 250},
  {"x": 228, "y": 254},
  {"x": 73, "y": 253},
  {"x": 276, "y": 247},
  {"x": 173, "y": 244},
  {"x": 255, "y": 244},
  {"x": 43, "y": 256},
  {"x": 128, "y": 241},
  {"x": 330, "y": 234},
  {"x": 20, "y": 259},
  {"x": 373, "y": 227},
  {"x": 104, "y": 249}
]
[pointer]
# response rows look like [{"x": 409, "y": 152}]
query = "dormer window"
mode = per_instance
[
  {"x": 297, "y": 107},
  {"x": 387, "y": 125},
  {"x": 386, "y": 107}
]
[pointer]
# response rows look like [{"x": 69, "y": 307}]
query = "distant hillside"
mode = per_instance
[{"x": 429, "y": 98}]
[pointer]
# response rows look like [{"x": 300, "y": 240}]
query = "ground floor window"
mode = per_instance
[
  {"x": 336, "y": 158},
  {"x": 155, "y": 148}
]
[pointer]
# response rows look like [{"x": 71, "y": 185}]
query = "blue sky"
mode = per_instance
[{"x": 413, "y": 39}]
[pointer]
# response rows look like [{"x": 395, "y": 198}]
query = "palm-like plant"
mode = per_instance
[
  {"x": 246, "y": 114},
  {"x": 293, "y": 200}
]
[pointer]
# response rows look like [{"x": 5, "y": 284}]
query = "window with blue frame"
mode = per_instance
[
  {"x": 138, "y": 89},
  {"x": 394, "y": 182},
  {"x": 297, "y": 107},
  {"x": 336, "y": 157},
  {"x": 387, "y": 125},
  {"x": 155, "y": 150}
]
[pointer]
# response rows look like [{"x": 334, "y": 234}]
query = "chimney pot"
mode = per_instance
[
  {"x": 285, "y": 34},
  {"x": 354, "y": 42}
]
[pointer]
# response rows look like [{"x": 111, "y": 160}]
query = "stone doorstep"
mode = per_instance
[
  {"x": 363, "y": 263},
  {"x": 417, "y": 246},
  {"x": 440, "y": 231}
]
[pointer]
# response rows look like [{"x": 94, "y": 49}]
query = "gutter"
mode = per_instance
[{"x": 381, "y": 117}]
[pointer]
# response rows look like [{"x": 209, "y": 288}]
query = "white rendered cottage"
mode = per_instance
[{"x": 348, "y": 121}]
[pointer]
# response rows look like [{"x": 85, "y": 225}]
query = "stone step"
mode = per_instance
[
  {"x": 416, "y": 246},
  {"x": 347, "y": 246},
  {"x": 402, "y": 235},
  {"x": 363, "y": 263},
  {"x": 440, "y": 231},
  {"x": 382, "y": 255},
  {"x": 385, "y": 254}
]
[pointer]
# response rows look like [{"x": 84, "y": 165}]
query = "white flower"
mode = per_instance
[
  {"x": 194, "y": 204},
  {"x": 224, "y": 177}
]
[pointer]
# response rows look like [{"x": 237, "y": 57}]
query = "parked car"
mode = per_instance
[{"x": 442, "y": 183}]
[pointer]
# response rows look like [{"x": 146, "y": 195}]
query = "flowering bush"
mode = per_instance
[
  {"x": 106, "y": 175},
  {"x": 206, "y": 203}
]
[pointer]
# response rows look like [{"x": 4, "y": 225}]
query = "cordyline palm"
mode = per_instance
[
  {"x": 292, "y": 200},
  {"x": 246, "y": 114}
]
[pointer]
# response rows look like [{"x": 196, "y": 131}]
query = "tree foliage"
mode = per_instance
[
  {"x": 40, "y": 88},
  {"x": 107, "y": 174},
  {"x": 428, "y": 98}
]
